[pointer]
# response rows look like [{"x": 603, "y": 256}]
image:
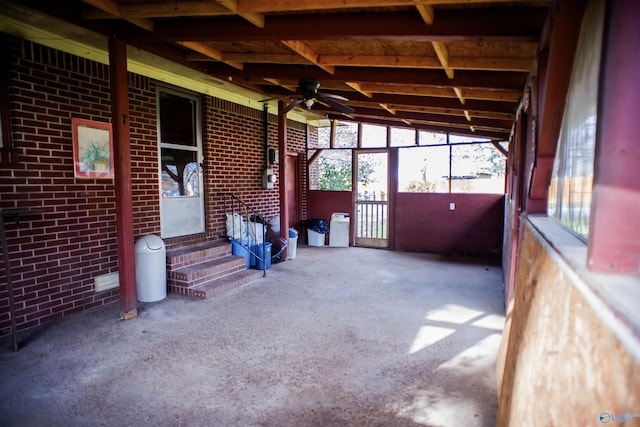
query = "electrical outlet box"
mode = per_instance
[
  {"x": 273, "y": 156},
  {"x": 268, "y": 179},
  {"x": 452, "y": 206}
]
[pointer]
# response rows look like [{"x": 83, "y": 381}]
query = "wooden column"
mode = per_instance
[
  {"x": 567, "y": 18},
  {"x": 122, "y": 158},
  {"x": 614, "y": 232},
  {"x": 282, "y": 167}
]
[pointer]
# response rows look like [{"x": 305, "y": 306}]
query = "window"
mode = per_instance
[
  {"x": 332, "y": 171},
  {"x": 324, "y": 136},
  {"x": 424, "y": 169},
  {"x": 475, "y": 168},
  {"x": 346, "y": 135},
  {"x": 179, "y": 150},
  {"x": 402, "y": 137},
  {"x": 431, "y": 138},
  {"x": 374, "y": 136},
  {"x": 572, "y": 177}
]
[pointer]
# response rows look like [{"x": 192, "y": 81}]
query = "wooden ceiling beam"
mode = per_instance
[
  {"x": 502, "y": 24},
  {"x": 313, "y": 5},
  {"x": 210, "y": 52},
  {"x": 255, "y": 18},
  {"x": 267, "y": 58},
  {"x": 400, "y": 61},
  {"x": 112, "y": 9},
  {"x": 426, "y": 12},
  {"x": 358, "y": 88},
  {"x": 399, "y": 76},
  {"x": 387, "y": 61},
  {"x": 443, "y": 56},
  {"x": 164, "y": 9},
  {"x": 309, "y": 5},
  {"x": 416, "y": 117},
  {"x": 307, "y": 53}
]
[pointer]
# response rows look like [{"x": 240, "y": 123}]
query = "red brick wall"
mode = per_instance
[
  {"x": 233, "y": 138},
  {"x": 57, "y": 253}
]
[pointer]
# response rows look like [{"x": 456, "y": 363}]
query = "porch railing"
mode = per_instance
[
  {"x": 371, "y": 219},
  {"x": 241, "y": 214}
]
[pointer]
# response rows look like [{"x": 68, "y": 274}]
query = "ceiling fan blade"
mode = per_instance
[
  {"x": 292, "y": 105},
  {"x": 330, "y": 95},
  {"x": 336, "y": 105}
]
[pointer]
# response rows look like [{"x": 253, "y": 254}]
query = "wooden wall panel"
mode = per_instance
[{"x": 563, "y": 365}]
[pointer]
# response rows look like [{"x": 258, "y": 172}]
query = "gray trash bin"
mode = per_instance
[{"x": 151, "y": 269}]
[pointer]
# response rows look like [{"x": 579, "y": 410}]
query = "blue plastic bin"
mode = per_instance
[
  {"x": 241, "y": 249},
  {"x": 266, "y": 256}
]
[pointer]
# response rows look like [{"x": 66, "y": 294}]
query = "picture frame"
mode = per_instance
[{"x": 92, "y": 149}]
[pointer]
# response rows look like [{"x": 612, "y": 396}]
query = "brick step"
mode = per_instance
[
  {"x": 186, "y": 256},
  {"x": 218, "y": 286},
  {"x": 195, "y": 275}
]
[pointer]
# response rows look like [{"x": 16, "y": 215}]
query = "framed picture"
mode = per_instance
[{"x": 92, "y": 149}]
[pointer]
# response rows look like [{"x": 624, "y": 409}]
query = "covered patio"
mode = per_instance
[{"x": 338, "y": 336}]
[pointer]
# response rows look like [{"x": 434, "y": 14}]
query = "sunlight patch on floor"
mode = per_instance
[
  {"x": 453, "y": 313},
  {"x": 428, "y": 335}
]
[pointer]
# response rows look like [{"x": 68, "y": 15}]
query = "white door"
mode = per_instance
[{"x": 180, "y": 152}]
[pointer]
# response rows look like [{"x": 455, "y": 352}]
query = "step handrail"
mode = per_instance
[{"x": 244, "y": 210}]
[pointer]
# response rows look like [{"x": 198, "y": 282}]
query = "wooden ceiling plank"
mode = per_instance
[
  {"x": 387, "y": 61},
  {"x": 173, "y": 9},
  {"x": 210, "y": 52},
  {"x": 256, "y": 19},
  {"x": 443, "y": 56},
  {"x": 426, "y": 12},
  {"x": 401, "y": 61},
  {"x": 358, "y": 88},
  {"x": 308, "y": 53},
  {"x": 307, "y": 5},
  {"x": 386, "y": 107},
  {"x": 279, "y": 83},
  {"x": 520, "y": 24},
  {"x": 266, "y": 58},
  {"x": 112, "y": 8},
  {"x": 458, "y": 93},
  {"x": 401, "y": 76},
  {"x": 489, "y": 63}
]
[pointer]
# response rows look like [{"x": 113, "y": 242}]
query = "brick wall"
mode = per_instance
[
  {"x": 234, "y": 141},
  {"x": 57, "y": 252}
]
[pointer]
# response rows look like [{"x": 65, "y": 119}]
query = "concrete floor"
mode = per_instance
[{"x": 338, "y": 336}]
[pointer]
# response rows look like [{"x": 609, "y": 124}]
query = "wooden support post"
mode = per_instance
[
  {"x": 122, "y": 157},
  {"x": 614, "y": 231},
  {"x": 282, "y": 163}
]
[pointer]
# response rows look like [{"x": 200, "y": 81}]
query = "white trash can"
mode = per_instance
[
  {"x": 293, "y": 243},
  {"x": 151, "y": 269},
  {"x": 339, "y": 230}
]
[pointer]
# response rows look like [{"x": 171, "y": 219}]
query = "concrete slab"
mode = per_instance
[{"x": 338, "y": 336}]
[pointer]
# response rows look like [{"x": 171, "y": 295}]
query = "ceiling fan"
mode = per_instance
[{"x": 310, "y": 95}]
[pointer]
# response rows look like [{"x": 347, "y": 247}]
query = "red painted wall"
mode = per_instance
[
  {"x": 424, "y": 223},
  {"x": 322, "y": 204}
]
